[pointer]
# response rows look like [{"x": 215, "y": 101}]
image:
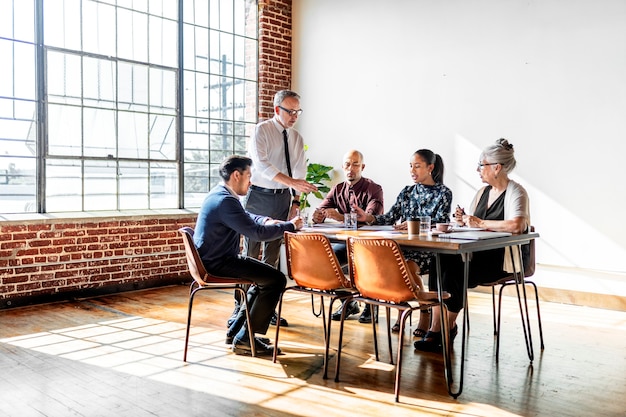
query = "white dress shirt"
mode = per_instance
[{"x": 266, "y": 148}]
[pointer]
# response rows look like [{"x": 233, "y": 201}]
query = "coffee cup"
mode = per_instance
[
  {"x": 443, "y": 227},
  {"x": 413, "y": 227}
]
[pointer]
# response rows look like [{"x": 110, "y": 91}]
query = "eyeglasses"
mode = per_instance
[
  {"x": 291, "y": 112},
  {"x": 480, "y": 165}
]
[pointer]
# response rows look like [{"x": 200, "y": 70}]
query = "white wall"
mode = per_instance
[{"x": 390, "y": 77}]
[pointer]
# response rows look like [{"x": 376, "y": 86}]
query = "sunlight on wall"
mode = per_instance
[{"x": 566, "y": 239}]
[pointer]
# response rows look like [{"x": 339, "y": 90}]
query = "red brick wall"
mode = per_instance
[
  {"x": 46, "y": 259},
  {"x": 274, "y": 52}
]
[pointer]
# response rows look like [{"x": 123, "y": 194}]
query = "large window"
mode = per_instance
[{"x": 117, "y": 111}]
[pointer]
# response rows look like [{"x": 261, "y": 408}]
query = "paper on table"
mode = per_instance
[
  {"x": 388, "y": 228},
  {"x": 474, "y": 235}
]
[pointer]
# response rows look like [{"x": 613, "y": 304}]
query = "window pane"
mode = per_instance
[
  {"x": 163, "y": 185},
  {"x": 99, "y": 133},
  {"x": 64, "y": 186},
  {"x": 98, "y": 19},
  {"x": 132, "y": 135},
  {"x": 24, "y": 11},
  {"x": 64, "y": 75},
  {"x": 133, "y": 87},
  {"x": 98, "y": 83},
  {"x": 64, "y": 130},
  {"x": 62, "y": 23},
  {"x": 162, "y": 91},
  {"x": 24, "y": 71},
  {"x": 100, "y": 185},
  {"x": 162, "y": 42},
  {"x": 17, "y": 178},
  {"x": 162, "y": 137},
  {"x": 132, "y": 35},
  {"x": 134, "y": 180}
]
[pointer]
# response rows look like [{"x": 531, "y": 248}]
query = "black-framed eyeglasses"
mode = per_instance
[
  {"x": 291, "y": 112},
  {"x": 480, "y": 164}
]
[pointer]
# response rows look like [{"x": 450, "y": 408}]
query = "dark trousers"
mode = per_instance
[
  {"x": 262, "y": 297},
  {"x": 341, "y": 251},
  {"x": 485, "y": 266}
]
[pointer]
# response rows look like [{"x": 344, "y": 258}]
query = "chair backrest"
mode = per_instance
[
  {"x": 311, "y": 262},
  {"x": 196, "y": 267},
  {"x": 528, "y": 256},
  {"x": 378, "y": 270}
]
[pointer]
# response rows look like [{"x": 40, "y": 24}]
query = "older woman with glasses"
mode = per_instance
[{"x": 502, "y": 205}]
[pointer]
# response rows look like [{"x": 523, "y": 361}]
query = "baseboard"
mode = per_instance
[{"x": 566, "y": 296}]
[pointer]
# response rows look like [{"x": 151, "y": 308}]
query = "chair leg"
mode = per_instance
[
  {"x": 374, "y": 331},
  {"x": 313, "y": 306},
  {"x": 493, "y": 307},
  {"x": 192, "y": 293},
  {"x": 538, "y": 312},
  {"x": 327, "y": 334},
  {"x": 280, "y": 309},
  {"x": 343, "y": 319},
  {"x": 403, "y": 315},
  {"x": 388, "y": 314},
  {"x": 244, "y": 299}
]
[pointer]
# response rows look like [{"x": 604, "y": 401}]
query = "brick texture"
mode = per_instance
[
  {"x": 46, "y": 258},
  {"x": 274, "y": 52}
]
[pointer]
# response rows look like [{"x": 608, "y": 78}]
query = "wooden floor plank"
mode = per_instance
[{"x": 122, "y": 354}]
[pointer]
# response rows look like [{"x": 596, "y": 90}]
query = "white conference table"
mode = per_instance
[{"x": 440, "y": 244}]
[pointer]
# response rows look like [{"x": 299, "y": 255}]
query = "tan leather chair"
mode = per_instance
[
  {"x": 202, "y": 280},
  {"x": 528, "y": 258},
  {"x": 312, "y": 264},
  {"x": 382, "y": 276}
]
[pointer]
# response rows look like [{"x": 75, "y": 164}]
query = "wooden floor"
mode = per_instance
[{"x": 122, "y": 355}]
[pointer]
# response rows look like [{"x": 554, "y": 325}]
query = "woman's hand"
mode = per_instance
[
  {"x": 472, "y": 221},
  {"x": 458, "y": 215},
  {"x": 401, "y": 226}
]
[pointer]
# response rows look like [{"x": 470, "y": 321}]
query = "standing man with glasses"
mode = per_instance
[{"x": 278, "y": 174}]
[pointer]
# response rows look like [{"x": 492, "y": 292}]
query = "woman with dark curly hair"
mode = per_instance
[{"x": 427, "y": 196}]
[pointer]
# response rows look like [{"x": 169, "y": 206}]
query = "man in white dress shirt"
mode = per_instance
[{"x": 278, "y": 177}]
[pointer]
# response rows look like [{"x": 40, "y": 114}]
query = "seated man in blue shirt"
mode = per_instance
[{"x": 221, "y": 222}]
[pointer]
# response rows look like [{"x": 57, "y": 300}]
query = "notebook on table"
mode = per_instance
[{"x": 474, "y": 235}]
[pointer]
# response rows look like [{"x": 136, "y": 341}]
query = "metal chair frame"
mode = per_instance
[
  {"x": 395, "y": 268},
  {"x": 312, "y": 264},
  {"x": 202, "y": 280},
  {"x": 527, "y": 269}
]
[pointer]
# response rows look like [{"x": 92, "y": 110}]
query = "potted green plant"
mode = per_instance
[{"x": 316, "y": 174}]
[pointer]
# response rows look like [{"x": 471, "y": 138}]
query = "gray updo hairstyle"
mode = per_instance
[{"x": 502, "y": 153}]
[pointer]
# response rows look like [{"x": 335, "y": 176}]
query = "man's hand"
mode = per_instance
[
  {"x": 303, "y": 186},
  {"x": 319, "y": 215},
  {"x": 334, "y": 214},
  {"x": 293, "y": 211},
  {"x": 298, "y": 222}
]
